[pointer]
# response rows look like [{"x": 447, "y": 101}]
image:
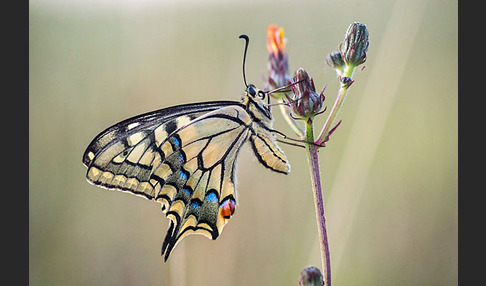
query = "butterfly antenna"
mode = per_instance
[{"x": 247, "y": 42}]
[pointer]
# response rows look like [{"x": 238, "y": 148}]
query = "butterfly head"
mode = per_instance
[{"x": 254, "y": 100}]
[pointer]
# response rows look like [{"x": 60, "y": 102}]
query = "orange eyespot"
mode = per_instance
[{"x": 227, "y": 208}]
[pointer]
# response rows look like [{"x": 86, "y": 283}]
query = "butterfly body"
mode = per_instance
[{"x": 184, "y": 157}]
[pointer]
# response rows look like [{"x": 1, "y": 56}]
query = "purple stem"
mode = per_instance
[{"x": 321, "y": 219}]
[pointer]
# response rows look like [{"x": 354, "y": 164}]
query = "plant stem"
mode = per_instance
[
  {"x": 316, "y": 186},
  {"x": 323, "y": 136},
  {"x": 290, "y": 121}
]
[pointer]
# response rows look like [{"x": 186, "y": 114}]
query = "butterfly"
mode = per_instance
[{"x": 184, "y": 158}]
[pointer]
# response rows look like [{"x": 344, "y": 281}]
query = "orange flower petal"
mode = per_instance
[{"x": 275, "y": 40}]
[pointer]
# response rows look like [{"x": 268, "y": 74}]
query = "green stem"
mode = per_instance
[
  {"x": 290, "y": 121},
  {"x": 319, "y": 202},
  {"x": 330, "y": 122}
]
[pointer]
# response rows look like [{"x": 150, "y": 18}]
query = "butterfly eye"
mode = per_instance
[{"x": 251, "y": 91}]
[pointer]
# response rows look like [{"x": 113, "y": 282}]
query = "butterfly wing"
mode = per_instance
[
  {"x": 197, "y": 188},
  {"x": 146, "y": 122},
  {"x": 124, "y": 153},
  {"x": 183, "y": 157}
]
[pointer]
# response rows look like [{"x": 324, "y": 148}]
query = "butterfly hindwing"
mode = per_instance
[{"x": 206, "y": 199}]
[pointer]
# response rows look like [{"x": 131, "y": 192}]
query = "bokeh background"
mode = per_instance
[{"x": 389, "y": 172}]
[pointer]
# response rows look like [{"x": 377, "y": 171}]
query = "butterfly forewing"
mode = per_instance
[
  {"x": 121, "y": 156},
  {"x": 145, "y": 122}
]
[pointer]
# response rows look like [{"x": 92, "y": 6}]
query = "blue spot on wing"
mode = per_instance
[
  {"x": 176, "y": 141},
  {"x": 196, "y": 204},
  {"x": 183, "y": 175},
  {"x": 212, "y": 197},
  {"x": 187, "y": 191}
]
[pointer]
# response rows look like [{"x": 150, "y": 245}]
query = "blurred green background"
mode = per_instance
[{"x": 389, "y": 172}]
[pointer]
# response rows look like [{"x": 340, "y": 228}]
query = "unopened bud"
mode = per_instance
[
  {"x": 306, "y": 101},
  {"x": 311, "y": 276},
  {"x": 336, "y": 61},
  {"x": 346, "y": 81},
  {"x": 355, "y": 45}
]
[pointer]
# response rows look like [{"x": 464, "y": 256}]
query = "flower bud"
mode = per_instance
[
  {"x": 346, "y": 81},
  {"x": 336, "y": 61},
  {"x": 355, "y": 45},
  {"x": 306, "y": 102},
  {"x": 311, "y": 276}
]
